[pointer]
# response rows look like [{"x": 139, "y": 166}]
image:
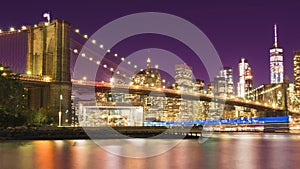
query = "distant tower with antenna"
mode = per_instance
[{"x": 276, "y": 61}]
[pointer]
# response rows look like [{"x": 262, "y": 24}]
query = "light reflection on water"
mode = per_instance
[
  {"x": 146, "y": 147},
  {"x": 220, "y": 151}
]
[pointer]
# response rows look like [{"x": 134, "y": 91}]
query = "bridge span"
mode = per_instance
[{"x": 164, "y": 92}]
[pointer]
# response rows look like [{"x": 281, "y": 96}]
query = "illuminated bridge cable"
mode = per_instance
[
  {"x": 98, "y": 55},
  {"x": 101, "y": 46},
  {"x": 13, "y": 50},
  {"x": 105, "y": 66},
  {"x": 108, "y": 51},
  {"x": 91, "y": 59}
]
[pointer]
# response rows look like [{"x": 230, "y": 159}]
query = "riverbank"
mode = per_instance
[
  {"x": 63, "y": 133},
  {"x": 67, "y": 133}
]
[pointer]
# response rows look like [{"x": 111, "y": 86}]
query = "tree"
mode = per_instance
[
  {"x": 36, "y": 117},
  {"x": 13, "y": 96}
]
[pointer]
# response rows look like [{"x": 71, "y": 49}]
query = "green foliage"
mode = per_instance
[
  {"x": 36, "y": 117},
  {"x": 13, "y": 96}
]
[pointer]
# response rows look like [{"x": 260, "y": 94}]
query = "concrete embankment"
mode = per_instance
[{"x": 57, "y": 133}]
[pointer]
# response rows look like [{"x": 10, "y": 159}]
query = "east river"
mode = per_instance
[{"x": 232, "y": 151}]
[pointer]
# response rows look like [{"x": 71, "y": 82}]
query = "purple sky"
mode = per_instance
[{"x": 236, "y": 28}]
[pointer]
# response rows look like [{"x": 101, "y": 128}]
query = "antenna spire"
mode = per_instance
[
  {"x": 275, "y": 36},
  {"x": 148, "y": 63}
]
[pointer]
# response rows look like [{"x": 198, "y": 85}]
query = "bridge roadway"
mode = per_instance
[
  {"x": 161, "y": 92},
  {"x": 81, "y": 85}
]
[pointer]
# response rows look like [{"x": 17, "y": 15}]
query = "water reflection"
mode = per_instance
[
  {"x": 137, "y": 148},
  {"x": 44, "y": 154},
  {"x": 221, "y": 151}
]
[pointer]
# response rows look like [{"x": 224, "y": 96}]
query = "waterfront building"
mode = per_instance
[
  {"x": 292, "y": 100},
  {"x": 297, "y": 76},
  {"x": 276, "y": 95},
  {"x": 276, "y": 61}
]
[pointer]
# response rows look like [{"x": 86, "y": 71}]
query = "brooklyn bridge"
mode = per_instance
[{"x": 45, "y": 55}]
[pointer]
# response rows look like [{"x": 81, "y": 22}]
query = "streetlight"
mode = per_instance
[{"x": 59, "y": 113}]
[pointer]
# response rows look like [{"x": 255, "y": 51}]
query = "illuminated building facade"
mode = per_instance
[
  {"x": 297, "y": 75},
  {"x": 219, "y": 86},
  {"x": 226, "y": 72},
  {"x": 216, "y": 88},
  {"x": 148, "y": 77},
  {"x": 248, "y": 80},
  {"x": 183, "y": 77},
  {"x": 245, "y": 82},
  {"x": 292, "y": 100},
  {"x": 153, "y": 106},
  {"x": 199, "y": 85},
  {"x": 184, "y": 82},
  {"x": 276, "y": 61},
  {"x": 275, "y": 95}
]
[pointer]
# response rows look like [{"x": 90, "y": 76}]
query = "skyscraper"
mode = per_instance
[
  {"x": 297, "y": 74},
  {"x": 184, "y": 77},
  {"x": 245, "y": 78},
  {"x": 184, "y": 80},
  {"x": 276, "y": 61},
  {"x": 226, "y": 72},
  {"x": 248, "y": 79}
]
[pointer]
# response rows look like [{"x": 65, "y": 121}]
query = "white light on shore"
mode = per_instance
[
  {"x": 23, "y": 27},
  {"x": 12, "y": 29}
]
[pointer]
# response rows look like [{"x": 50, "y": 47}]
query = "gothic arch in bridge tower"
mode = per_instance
[{"x": 49, "y": 56}]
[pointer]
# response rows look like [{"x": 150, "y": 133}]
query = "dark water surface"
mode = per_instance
[{"x": 241, "y": 151}]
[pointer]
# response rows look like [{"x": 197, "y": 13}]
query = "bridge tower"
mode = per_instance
[{"x": 49, "y": 56}]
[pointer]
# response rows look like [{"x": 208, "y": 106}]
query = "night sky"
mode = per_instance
[{"x": 236, "y": 28}]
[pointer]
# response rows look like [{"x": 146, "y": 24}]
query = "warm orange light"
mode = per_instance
[{"x": 47, "y": 79}]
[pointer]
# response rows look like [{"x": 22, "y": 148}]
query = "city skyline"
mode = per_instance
[
  {"x": 120, "y": 84},
  {"x": 232, "y": 27}
]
